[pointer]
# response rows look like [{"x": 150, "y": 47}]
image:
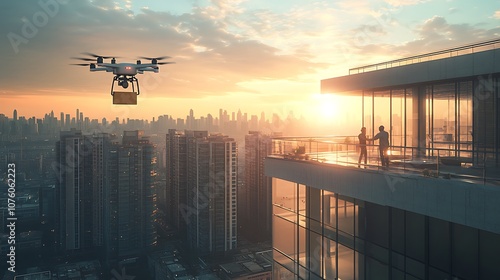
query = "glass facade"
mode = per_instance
[
  {"x": 318, "y": 234},
  {"x": 455, "y": 118}
]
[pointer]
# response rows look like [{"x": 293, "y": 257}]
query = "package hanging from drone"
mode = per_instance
[{"x": 124, "y": 98}]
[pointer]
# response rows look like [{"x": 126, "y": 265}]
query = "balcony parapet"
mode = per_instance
[{"x": 430, "y": 162}]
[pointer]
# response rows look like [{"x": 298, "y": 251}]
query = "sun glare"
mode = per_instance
[{"x": 325, "y": 106}]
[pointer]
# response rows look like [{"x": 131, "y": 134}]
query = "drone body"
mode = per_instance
[{"x": 124, "y": 74}]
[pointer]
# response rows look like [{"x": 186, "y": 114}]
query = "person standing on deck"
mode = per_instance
[
  {"x": 362, "y": 146},
  {"x": 383, "y": 145}
]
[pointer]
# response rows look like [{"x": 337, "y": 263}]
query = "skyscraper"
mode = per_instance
[
  {"x": 103, "y": 158},
  {"x": 256, "y": 207},
  {"x": 74, "y": 192},
  {"x": 212, "y": 187},
  {"x": 67, "y": 122},
  {"x": 176, "y": 189},
  {"x": 135, "y": 195},
  {"x": 105, "y": 195},
  {"x": 61, "y": 121}
]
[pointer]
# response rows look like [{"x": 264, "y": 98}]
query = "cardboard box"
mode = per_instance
[{"x": 124, "y": 98}]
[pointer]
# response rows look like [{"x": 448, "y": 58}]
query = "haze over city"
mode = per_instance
[{"x": 257, "y": 56}]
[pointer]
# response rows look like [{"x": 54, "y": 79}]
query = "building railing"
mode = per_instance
[
  {"x": 466, "y": 49},
  {"x": 429, "y": 162}
]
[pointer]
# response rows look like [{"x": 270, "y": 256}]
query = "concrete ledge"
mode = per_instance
[{"x": 473, "y": 205}]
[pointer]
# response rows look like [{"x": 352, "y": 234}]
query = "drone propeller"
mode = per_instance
[
  {"x": 97, "y": 56},
  {"x": 81, "y": 64},
  {"x": 157, "y": 58},
  {"x": 84, "y": 58},
  {"x": 162, "y": 63}
]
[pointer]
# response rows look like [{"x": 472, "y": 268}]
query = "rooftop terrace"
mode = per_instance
[{"x": 344, "y": 151}]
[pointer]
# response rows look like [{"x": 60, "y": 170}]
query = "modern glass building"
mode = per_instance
[{"x": 435, "y": 213}]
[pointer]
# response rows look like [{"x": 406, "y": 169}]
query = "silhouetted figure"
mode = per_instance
[
  {"x": 383, "y": 145},
  {"x": 362, "y": 146}
]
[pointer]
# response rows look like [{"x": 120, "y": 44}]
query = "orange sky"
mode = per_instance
[{"x": 257, "y": 56}]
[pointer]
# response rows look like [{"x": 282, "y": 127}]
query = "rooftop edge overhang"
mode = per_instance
[
  {"x": 469, "y": 204},
  {"x": 463, "y": 66}
]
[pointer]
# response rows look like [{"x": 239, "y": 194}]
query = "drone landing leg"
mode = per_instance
[
  {"x": 137, "y": 82},
  {"x": 113, "y": 84}
]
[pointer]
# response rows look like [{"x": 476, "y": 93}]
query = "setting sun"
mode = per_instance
[{"x": 324, "y": 106}]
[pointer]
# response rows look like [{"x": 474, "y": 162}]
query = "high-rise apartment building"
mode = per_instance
[
  {"x": 74, "y": 191},
  {"x": 211, "y": 210},
  {"x": 255, "y": 196},
  {"x": 106, "y": 200},
  {"x": 176, "y": 189},
  {"x": 136, "y": 196},
  {"x": 201, "y": 189},
  {"x": 102, "y": 153}
]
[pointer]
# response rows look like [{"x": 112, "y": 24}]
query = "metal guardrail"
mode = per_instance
[
  {"x": 430, "y": 162},
  {"x": 466, "y": 49}
]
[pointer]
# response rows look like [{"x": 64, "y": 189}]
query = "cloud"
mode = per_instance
[
  {"x": 496, "y": 15},
  {"x": 453, "y": 10},
  {"x": 435, "y": 28},
  {"x": 212, "y": 57},
  {"x": 433, "y": 34},
  {"x": 359, "y": 7},
  {"x": 399, "y": 3},
  {"x": 436, "y": 31}
]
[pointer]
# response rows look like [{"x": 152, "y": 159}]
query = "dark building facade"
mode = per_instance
[
  {"x": 201, "y": 190},
  {"x": 74, "y": 192},
  {"x": 211, "y": 212},
  {"x": 176, "y": 189},
  {"x": 105, "y": 195},
  {"x": 256, "y": 210},
  {"x": 136, "y": 196}
]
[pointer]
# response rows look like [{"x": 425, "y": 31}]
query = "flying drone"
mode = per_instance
[{"x": 124, "y": 73}]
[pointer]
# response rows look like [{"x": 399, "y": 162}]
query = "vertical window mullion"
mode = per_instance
[{"x": 336, "y": 195}]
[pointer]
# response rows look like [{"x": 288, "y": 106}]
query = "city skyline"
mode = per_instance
[
  {"x": 262, "y": 56},
  {"x": 268, "y": 122}
]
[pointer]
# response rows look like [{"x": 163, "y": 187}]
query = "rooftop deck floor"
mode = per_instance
[{"x": 426, "y": 166}]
